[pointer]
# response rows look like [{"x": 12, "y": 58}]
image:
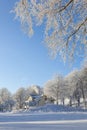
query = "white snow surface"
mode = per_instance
[{"x": 45, "y": 118}]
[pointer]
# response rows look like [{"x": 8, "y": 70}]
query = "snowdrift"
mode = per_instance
[{"x": 54, "y": 108}]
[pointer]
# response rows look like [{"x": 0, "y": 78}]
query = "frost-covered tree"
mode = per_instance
[
  {"x": 6, "y": 99},
  {"x": 33, "y": 90},
  {"x": 65, "y": 23},
  {"x": 76, "y": 85},
  {"x": 83, "y": 82},
  {"x": 20, "y": 97},
  {"x": 70, "y": 83},
  {"x": 53, "y": 88},
  {"x": 80, "y": 80},
  {"x": 77, "y": 95},
  {"x": 4, "y": 95},
  {"x": 37, "y": 89}
]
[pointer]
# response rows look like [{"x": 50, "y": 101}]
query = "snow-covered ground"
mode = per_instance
[{"x": 39, "y": 120}]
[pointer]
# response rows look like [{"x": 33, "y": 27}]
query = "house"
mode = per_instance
[{"x": 35, "y": 100}]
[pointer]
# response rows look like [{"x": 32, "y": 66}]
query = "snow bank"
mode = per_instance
[
  {"x": 51, "y": 108},
  {"x": 56, "y": 108}
]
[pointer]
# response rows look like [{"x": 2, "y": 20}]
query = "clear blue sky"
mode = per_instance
[{"x": 25, "y": 61}]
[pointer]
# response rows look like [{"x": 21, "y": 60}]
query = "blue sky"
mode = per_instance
[{"x": 25, "y": 61}]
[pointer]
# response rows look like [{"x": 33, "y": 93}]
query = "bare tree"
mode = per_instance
[{"x": 65, "y": 24}]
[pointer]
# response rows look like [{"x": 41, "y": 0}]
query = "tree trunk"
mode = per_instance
[
  {"x": 78, "y": 102},
  {"x": 84, "y": 99},
  {"x": 70, "y": 102},
  {"x": 63, "y": 102}
]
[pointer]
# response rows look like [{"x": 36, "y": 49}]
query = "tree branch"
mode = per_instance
[
  {"x": 64, "y": 7},
  {"x": 77, "y": 29}
]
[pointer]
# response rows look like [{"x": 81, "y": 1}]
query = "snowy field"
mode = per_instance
[
  {"x": 48, "y": 117},
  {"x": 44, "y": 121}
]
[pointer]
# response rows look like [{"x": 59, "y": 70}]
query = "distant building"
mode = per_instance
[{"x": 35, "y": 100}]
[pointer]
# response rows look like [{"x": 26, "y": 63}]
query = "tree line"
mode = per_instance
[{"x": 72, "y": 87}]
